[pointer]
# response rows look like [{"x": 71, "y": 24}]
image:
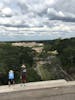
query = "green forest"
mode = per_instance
[
  {"x": 63, "y": 61},
  {"x": 11, "y": 58},
  {"x": 57, "y": 63}
]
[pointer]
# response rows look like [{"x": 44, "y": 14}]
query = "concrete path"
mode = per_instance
[
  {"x": 32, "y": 85},
  {"x": 46, "y": 90}
]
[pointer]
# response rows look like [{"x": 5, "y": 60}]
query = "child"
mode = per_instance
[
  {"x": 11, "y": 77},
  {"x": 23, "y": 74}
]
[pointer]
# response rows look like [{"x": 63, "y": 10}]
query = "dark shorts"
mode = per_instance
[
  {"x": 11, "y": 81},
  {"x": 23, "y": 77}
]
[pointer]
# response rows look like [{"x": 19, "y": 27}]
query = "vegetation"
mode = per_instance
[
  {"x": 58, "y": 55},
  {"x": 65, "y": 52},
  {"x": 12, "y": 57}
]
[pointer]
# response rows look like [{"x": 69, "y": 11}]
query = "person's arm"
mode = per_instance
[{"x": 21, "y": 75}]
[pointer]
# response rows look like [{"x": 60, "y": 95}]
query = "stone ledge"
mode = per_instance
[{"x": 36, "y": 85}]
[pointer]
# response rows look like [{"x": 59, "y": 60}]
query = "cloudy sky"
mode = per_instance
[{"x": 36, "y": 19}]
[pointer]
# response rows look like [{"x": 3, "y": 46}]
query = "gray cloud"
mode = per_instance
[
  {"x": 16, "y": 15},
  {"x": 65, "y": 19},
  {"x": 65, "y": 6}
]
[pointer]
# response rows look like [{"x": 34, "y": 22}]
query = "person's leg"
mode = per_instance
[
  {"x": 21, "y": 81},
  {"x": 24, "y": 80},
  {"x": 13, "y": 82},
  {"x": 9, "y": 82}
]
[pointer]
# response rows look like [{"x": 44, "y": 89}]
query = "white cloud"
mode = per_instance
[
  {"x": 61, "y": 14},
  {"x": 36, "y": 18},
  {"x": 7, "y": 11},
  {"x": 51, "y": 11}
]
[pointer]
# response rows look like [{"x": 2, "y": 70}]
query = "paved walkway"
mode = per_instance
[
  {"x": 45, "y": 90},
  {"x": 32, "y": 85}
]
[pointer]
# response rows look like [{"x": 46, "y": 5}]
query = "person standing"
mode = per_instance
[
  {"x": 11, "y": 77},
  {"x": 23, "y": 73}
]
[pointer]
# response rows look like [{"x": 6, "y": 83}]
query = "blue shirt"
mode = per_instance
[{"x": 11, "y": 75}]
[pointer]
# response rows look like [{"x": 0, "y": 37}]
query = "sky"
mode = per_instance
[{"x": 26, "y": 20}]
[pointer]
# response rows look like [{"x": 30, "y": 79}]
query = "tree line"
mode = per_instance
[{"x": 12, "y": 57}]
